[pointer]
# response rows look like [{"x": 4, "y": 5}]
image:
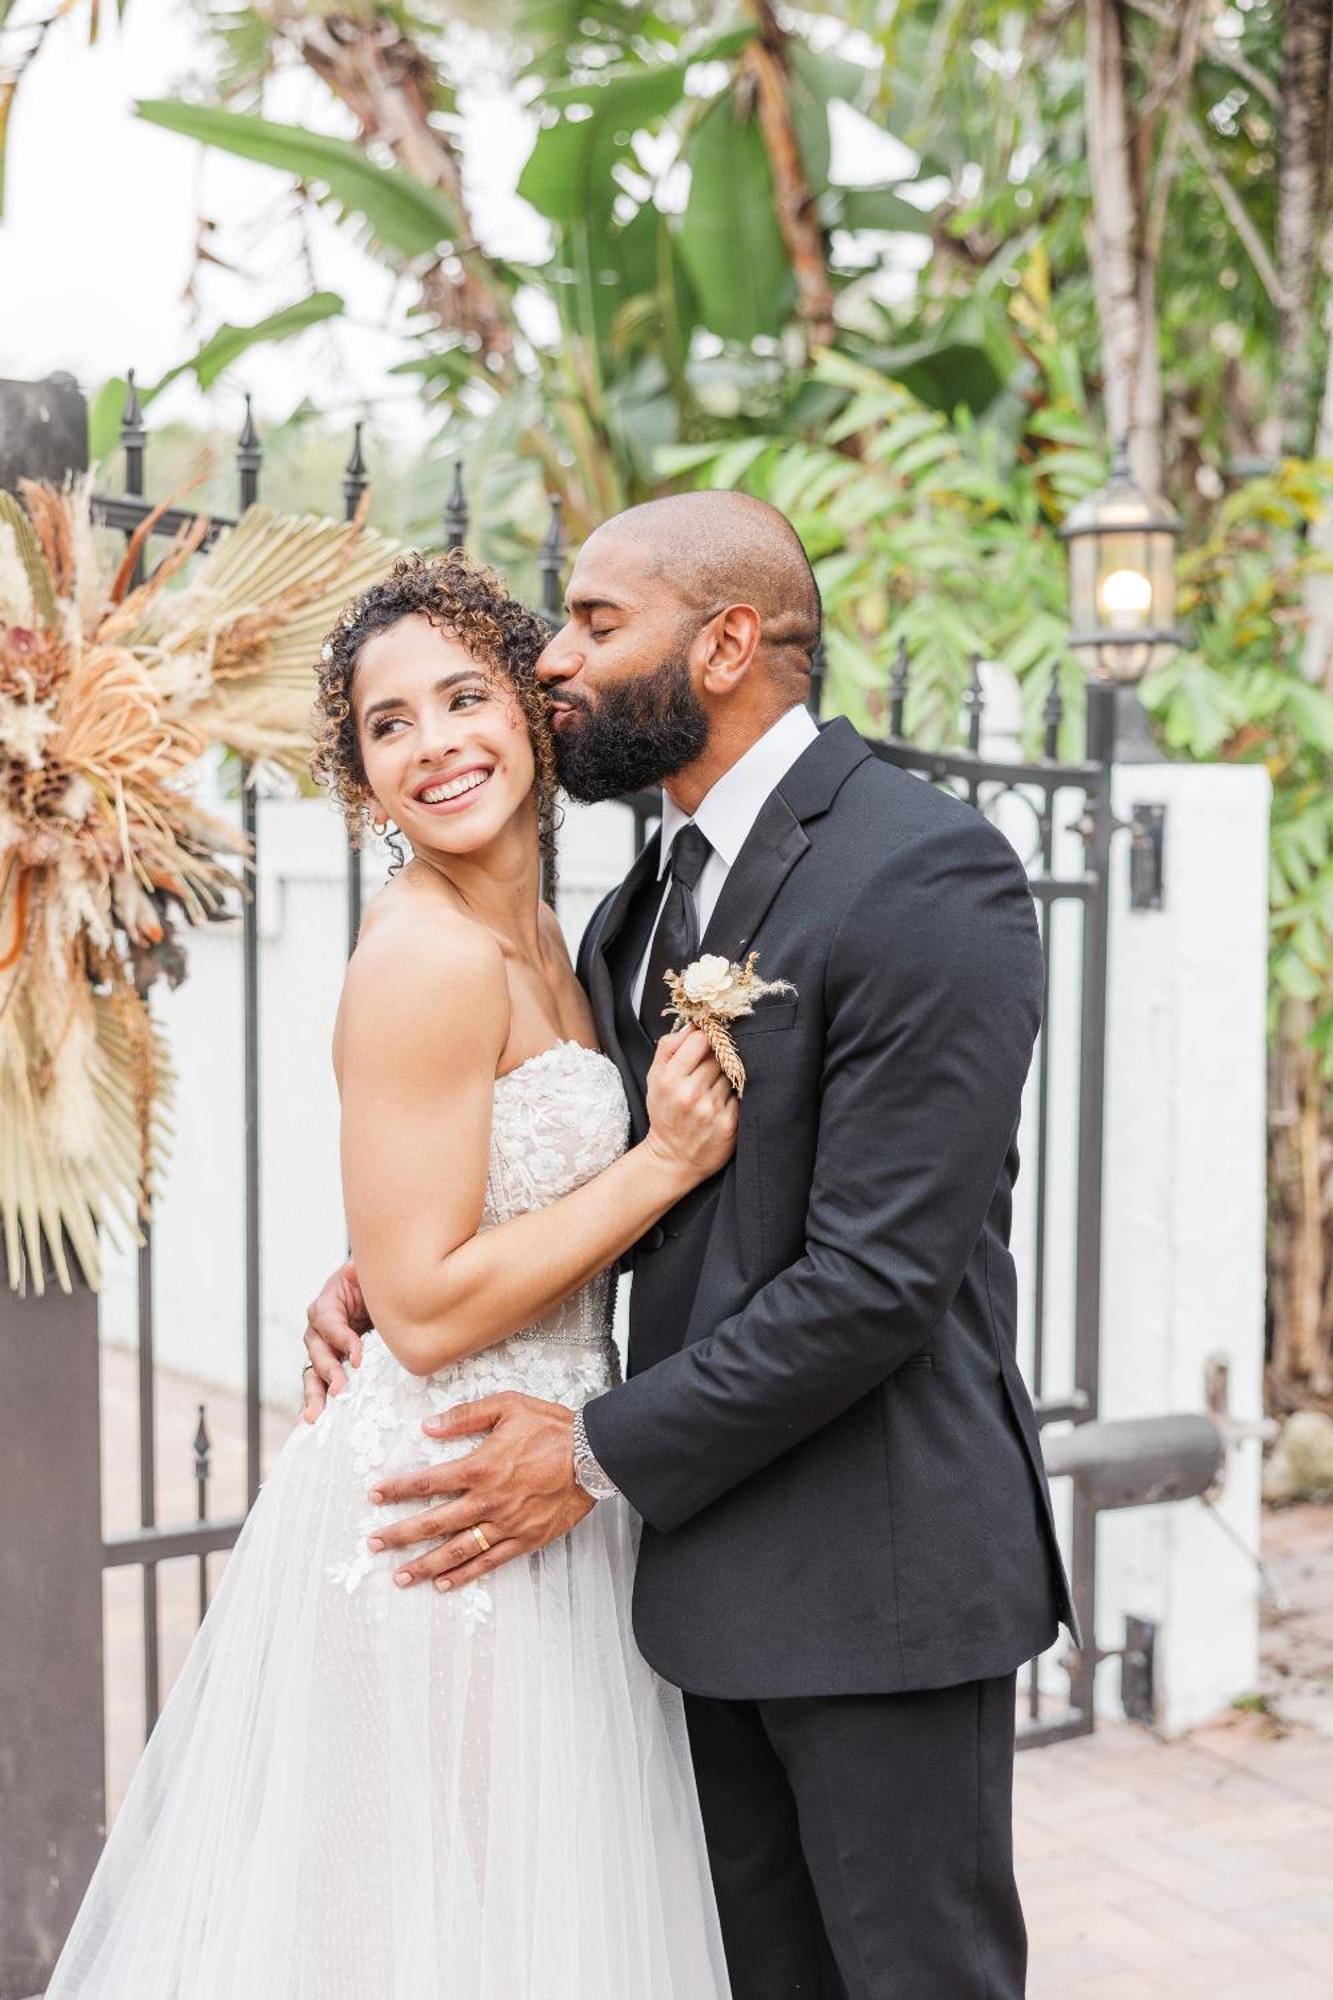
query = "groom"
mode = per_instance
[{"x": 848, "y": 1547}]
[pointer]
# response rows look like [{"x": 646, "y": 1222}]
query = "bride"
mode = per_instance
[{"x": 363, "y": 1792}]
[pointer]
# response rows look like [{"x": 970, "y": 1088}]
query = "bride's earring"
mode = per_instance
[{"x": 379, "y": 827}]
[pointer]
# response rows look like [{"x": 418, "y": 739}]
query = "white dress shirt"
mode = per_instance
[{"x": 726, "y": 815}]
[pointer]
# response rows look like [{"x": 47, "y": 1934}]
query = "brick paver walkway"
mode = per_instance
[
  {"x": 1158, "y": 1871},
  {"x": 1149, "y": 1871}
]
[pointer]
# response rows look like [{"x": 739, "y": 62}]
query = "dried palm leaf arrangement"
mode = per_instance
[{"x": 111, "y": 691}]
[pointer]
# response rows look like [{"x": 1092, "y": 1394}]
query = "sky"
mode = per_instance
[{"x": 97, "y": 244}]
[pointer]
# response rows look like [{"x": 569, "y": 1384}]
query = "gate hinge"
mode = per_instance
[
  {"x": 1136, "y": 1670},
  {"x": 1146, "y": 827},
  {"x": 1147, "y": 845}
]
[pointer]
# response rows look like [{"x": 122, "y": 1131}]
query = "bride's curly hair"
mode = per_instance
[{"x": 470, "y": 604}]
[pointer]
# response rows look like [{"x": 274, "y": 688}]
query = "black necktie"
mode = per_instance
[{"x": 676, "y": 939}]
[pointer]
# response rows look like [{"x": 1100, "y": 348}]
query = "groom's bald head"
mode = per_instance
[
  {"x": 714, "y": 549},
  {"x": 692, "y": 627}
]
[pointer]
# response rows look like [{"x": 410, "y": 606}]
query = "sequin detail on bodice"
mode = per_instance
[{"x": 558, "y": 1119}]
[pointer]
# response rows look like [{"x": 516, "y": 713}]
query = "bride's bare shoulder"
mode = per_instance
[{"x": 423, "y": 971}]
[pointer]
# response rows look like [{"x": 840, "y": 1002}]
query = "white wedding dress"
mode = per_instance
[{"x": 358, "y": 1792}]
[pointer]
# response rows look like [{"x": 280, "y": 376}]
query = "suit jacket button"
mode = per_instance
[{"x": 655, "y": 1238}]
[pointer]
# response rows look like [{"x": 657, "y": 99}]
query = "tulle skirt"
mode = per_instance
[{"x": 357, "y": 1792}]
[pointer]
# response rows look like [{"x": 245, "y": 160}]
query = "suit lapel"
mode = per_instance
[
  {"x": 773, "y": 846},
  {"x": 778, "y": 838},
  {"x": 601, "y": 987}
]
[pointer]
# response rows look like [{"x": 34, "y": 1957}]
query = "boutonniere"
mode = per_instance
[{"x": 711, "y": 994}]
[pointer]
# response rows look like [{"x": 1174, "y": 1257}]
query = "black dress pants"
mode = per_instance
[{"x": 861, "y": 1846}]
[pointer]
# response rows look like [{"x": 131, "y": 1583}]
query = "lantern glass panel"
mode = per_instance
[
  {"x": 1163, "y": 559},
  {"x": 1083, "y": 585}
]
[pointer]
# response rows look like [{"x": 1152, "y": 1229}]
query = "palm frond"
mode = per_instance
[
  {"x": 104, "y": 717},
  {"x": 30, "y": 556}
]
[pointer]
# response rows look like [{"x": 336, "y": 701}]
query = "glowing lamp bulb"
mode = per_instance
[{"x": 1126, "y": 597}]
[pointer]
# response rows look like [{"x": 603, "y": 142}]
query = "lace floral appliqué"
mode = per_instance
[{"x": 558, "y": 1120}]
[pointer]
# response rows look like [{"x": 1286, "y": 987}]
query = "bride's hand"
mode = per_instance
[
  {"x": 692, "y": 1109},
  {"x": 335, "y": 1323}
]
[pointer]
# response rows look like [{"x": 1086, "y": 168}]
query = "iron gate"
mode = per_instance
[{"x": 1051, "y": 799}]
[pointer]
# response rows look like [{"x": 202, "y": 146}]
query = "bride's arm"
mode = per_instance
[{"x": 417, "y": 1083}]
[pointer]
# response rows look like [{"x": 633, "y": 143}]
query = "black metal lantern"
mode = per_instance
[{"x": 1122, "y": 578}]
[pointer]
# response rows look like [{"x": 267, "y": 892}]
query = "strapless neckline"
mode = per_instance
[{"x": 552, "y": 1056}]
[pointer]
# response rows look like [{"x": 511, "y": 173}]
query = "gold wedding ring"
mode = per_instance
[{"x": 482, "y": 1544}]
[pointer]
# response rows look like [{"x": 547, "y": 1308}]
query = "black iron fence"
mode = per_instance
[{"x": 1046, "y": 795}]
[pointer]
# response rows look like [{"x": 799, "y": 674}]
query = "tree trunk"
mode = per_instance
[
  {"x": 388, "y": 85},
  {"x": 764, "y": 61},
  {"x": 1301, "y": 1108},
  {"x": 1303, "y": 141},
  {"x": 1300, "y": 1146},
  {"x": 1122, "y": 264}
]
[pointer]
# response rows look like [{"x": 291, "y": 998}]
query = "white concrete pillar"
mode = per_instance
[{"x": 1183, "y": 1244}]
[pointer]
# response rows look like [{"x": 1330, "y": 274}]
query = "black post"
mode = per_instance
[
  {"x": 134, "y": 441},
  {"x": 455, "y": 512},
  {"x": 43, "y": 430},
  {"x": 203, "y": 1447},
  {"x": 818, "y": 674},
  {"x": 898, "y": 688},
  {"x": 249, "y": 457},
  {"x": 1101, "y": 741},
  {"x": 355, "y": 482},
  {"x": 52, "y": 1755},
  {"x": 551, "y": 563}
]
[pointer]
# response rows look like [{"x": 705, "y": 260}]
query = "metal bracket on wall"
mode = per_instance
[
  {"x": 1136, "y": 1670},
  {"x": 1147, "y": 842}
]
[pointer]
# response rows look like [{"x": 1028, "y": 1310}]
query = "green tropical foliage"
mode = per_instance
[
  {"x": 1242, "y": 693},
  {"x": 936, "y": 535}
]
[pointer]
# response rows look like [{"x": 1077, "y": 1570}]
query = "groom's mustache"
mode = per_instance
[{"x": 573, "y": 703}]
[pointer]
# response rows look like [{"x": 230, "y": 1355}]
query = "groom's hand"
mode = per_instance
[{"x": 518, "y": 1489}]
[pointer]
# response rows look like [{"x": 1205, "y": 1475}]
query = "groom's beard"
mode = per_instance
[{"x": 640, "y": 731}]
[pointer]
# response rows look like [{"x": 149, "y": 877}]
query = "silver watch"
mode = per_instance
[{"x": 587, "y": 1471}]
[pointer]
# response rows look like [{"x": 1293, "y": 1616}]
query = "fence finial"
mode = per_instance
[
  {"x": 131, "y": 416},
  {"x": 355, "y": 477},
  {"x": 818, "y": 675},
  {"x": 455, "y": 511},
  {"x": 249, "y": 457},
  {"x": 551, "y": 560},
  {"x": 974, "y": 701},
  {"x": 203, "y": 1446},
  {"x": 134, "y": 440},
  {"x": 1052, "y": 715},
  {"x": 898, "y": 687}
]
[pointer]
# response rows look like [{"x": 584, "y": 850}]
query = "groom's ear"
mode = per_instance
[{"x": 726, "y": 647}]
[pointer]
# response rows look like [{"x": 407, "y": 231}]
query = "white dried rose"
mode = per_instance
[
  {"x": 708, "y": 980},
  {"x": 78, "y": 799}
]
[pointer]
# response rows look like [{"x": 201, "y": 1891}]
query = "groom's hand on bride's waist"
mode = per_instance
[{"x": 512, "y": 1495}]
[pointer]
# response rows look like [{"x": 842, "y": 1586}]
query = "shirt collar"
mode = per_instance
[{"x": 727, "y": 812}]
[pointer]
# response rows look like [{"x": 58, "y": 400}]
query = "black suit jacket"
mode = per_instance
[{"x": 824, "y": 1427}]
